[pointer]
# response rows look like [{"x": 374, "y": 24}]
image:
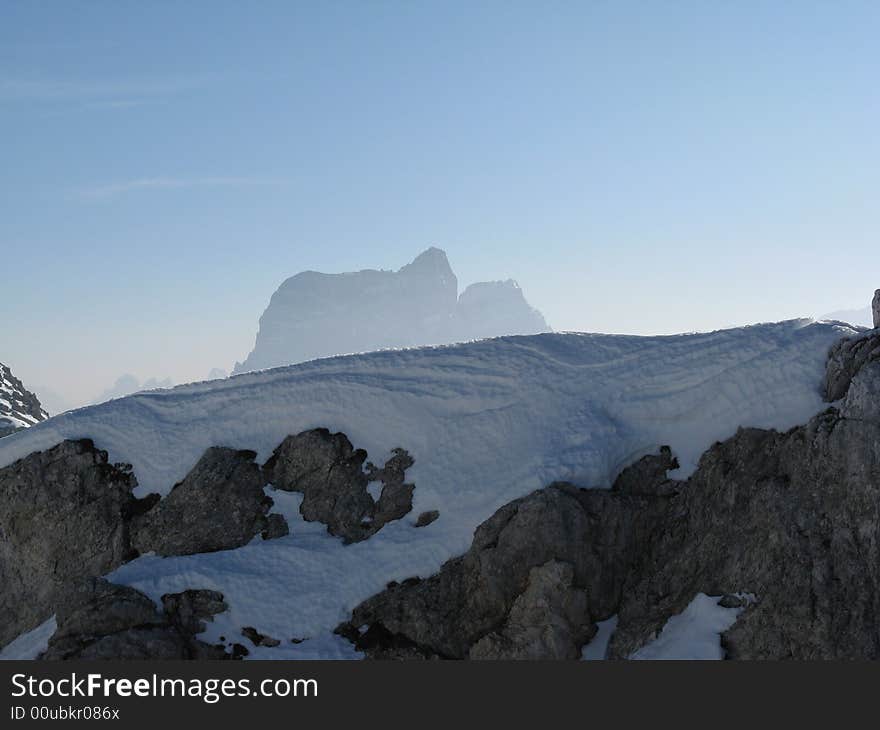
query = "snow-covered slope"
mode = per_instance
[
  {"x": 19, "y": 408},
  {"x": 486, "y": 422}
]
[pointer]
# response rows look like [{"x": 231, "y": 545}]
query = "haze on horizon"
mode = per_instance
[{"x": 637, "y": 168}]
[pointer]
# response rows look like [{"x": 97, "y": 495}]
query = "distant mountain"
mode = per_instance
[
  {"x": 861, "y": 317},
  {"x": 314, "y": 315},
  {"x": 127, "y": 384},
  {"x": 19, "y": 408}
]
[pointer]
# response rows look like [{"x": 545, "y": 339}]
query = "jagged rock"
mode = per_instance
[
  {"x": 101, "y": 620},
  {"x": 190, "y": 609},
  {"x": 647, "y": 476},
  {"x": 19, "y": 408},
  {"x": 219, "y": 505},
  {"x": 548, "y": 620},
  {"x": 875, "y": 308},
  {"x": 329, "y": 472},
  {"x": 845, "y": 359},
  {"x": 258, "y": 639},
  {"x": 729, "y": 601},
  {"x": 64, "y": 515},
  {"x": 426, "y": 518},
  {"x": 789, "y": 517},
  {"x": 597, "y": 532},
  {"x": 276, "y": 526}
]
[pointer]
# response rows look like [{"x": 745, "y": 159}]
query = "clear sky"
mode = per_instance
[{"x": 638, "y": 167}]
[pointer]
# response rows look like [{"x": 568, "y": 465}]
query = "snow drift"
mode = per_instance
[{"x": 486, "y": 422}]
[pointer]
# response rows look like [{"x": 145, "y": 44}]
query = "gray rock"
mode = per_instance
[
  {"x": 258, "y": 639},
  {"x": 647, "y": 476},
  {"x": 64, "y": 515},
  {"x": 219, "y": 505},
  {"x": 548, "y": 620},
  {"x": 845, "y": 359},
  {"x": 19, "y": 407},
  {"x": 276, "y": 526},
  {"x": 597, "y": 532},
  {"x": 190, "y": 609},
  {"x": 426, "y": 518},
  {"x": 104, "y": 621},
  {"x": 790, "y": 517},
  {"x": 330, "y": 473},
  {"x": 875, "y": 308}
]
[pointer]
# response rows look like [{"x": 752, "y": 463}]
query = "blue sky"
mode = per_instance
[{"x": 638, "y": 167}]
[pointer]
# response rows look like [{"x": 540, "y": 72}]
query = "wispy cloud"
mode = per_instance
[{"x": 112, "y": 190}]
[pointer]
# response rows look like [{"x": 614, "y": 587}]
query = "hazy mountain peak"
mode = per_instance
[{"x": 314, "y": 315}]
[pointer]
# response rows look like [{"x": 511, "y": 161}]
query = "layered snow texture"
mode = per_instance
[
  {"x": 486, "y": 422},
  {"x": 318, "y": 315},
  {"x": 19, "y": 408}
]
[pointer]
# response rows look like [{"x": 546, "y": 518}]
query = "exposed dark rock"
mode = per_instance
[
  {"x": 793, "y": 518},
  {"x": 845, "y": 359},
  {"x": 426, "y": 518},
  {"x": 258, "y": 639},
  {"x": 101, "y": 620},
  {"x": 647, "y": 476},
  {"x": 63, "y": 515},
  {"x": 276, "y": 526},
  {"x": 190, "y": 609},
  {"x": 219, "y": 505},
  {"x": 548, "y": 620},
  {"x": 729, "y": 601},
  {"x": 597, "y": 532},
  {"x": 330, "y": 473},
  {"x": 875, "y": 309}
]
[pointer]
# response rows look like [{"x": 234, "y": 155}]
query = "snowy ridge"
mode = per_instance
[
  {"x": 19, "y": 408},
  {"x": 486, "y": 422}
]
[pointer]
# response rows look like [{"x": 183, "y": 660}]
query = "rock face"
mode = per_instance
[
  {"x": 548, "y": 620},
  {"x": 315, "y": 315},
  {"x": 101, "y": 620},
  {"x": 330, "y": 473},
  {"x": 875, "y": 308},
  {"x": 582, "y": 541},
  {"x": 64, "y": 515},
  {"x": 19, "y": 408},
  {"x": 219, "y": 505},
  {"x": 67, "y": 514},
  {"x": 845, "y": 359},
  {"x": 793, "y": 518}
]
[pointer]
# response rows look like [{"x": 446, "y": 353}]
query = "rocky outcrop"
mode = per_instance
[
  {"x": 330, "y": 474},
  {"x": 792, "y": 518},
  {"x": 595, "y": 534},
  {"x": 875, "y": 309},
  {"x": 104, "y": 621},
  {"x": 64, "y": 514},
  {"x": 314, "y": 315},
  {"x": 219, "y": 505},
  {"x": 548, "y": 620},
  {"x": 19, "y": 408},
  {"x": 845, "y": 359}
]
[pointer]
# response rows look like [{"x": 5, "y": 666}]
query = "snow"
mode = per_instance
[
  {"x": 31, "y": 643},
  {"x": 597, "y": 648},
  {"x": 486, "y": 422},
  {"x": 695, "y": 633}
]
